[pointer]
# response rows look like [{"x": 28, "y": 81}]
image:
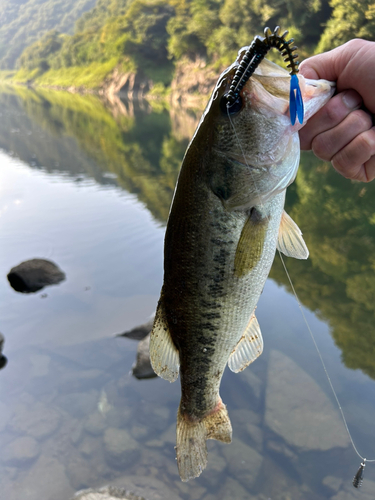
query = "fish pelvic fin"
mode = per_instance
[
  {"x": 249, "y": 347},
  {"x": 192, "y": 434},
  {"x": 290, "y": 241},
  {"x": 164, "y": 356}
]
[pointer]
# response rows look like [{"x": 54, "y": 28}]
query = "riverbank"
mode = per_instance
[{"x": 190, "y": 87}]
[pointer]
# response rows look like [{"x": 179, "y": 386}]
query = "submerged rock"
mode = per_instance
[
  {"x": 122, "y": 450},
  {"x": 243, "y": 461},
  {"x": 146, "y": 486},
  {"x": 348, "y": 492},
  {"x": 332, "y": 482},
  {"x": 44, "y": 480},
  {"x": 20, "y": 451},
  {"x": 233, "y": 489},
  {"x": 106, "y": 493},
  {"x": 142, "y": 367},
  {"x": 33, "y": 275},
  {"x": 298, "y": 410},
  {"x": 36, "y": 420}
]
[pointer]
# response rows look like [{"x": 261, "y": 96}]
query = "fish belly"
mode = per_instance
[{"x": 208, "y": 304}]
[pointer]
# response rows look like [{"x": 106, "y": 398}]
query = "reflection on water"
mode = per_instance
[{"x": 89, "y": 187}]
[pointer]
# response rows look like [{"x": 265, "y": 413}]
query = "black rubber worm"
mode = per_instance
[{"x": 250, "y": 61}]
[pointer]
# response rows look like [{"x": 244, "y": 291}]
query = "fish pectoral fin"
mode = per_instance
[
  {"x": 250, "y": 245},
  {"x": 290, "y": 241},
  {"x": 164, "y": 356},
  {"x": 248, "y": 348}
]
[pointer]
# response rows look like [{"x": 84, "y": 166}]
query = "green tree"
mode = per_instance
[
  {"x": 22, "y": 22},
  {"x": 38, "y": 55},
  {"x": 350, "y": 19}
]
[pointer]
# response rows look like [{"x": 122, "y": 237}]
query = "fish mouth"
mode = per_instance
[{"x": 316, "y": 93}]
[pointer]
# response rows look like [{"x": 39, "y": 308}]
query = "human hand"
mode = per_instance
[{"x": 342, "y": 131}]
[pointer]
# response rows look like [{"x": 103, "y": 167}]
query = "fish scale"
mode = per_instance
[{"x": 226, "y": 220}]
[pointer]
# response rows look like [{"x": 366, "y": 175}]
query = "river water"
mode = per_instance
[{"x": 88, "y": 186}]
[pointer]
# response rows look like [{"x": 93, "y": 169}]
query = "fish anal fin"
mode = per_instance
[
  {"x": 290, "y": 241},
  {"x": 248, "y": 348},
  {"x": 250, "y": 245},
  {"x": 164, "y": 355},
  {"x": 192, "y": 434}
]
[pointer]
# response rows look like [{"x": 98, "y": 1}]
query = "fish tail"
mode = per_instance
[{"x": 191, "y": 439}]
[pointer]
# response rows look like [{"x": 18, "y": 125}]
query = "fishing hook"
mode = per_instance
[{"x": 250, "y": 61}]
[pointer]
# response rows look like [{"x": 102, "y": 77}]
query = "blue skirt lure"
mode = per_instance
[{"x": 295, "y": 101}]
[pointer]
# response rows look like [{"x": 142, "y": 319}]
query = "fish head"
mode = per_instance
[{"x": 257, "y": 132}]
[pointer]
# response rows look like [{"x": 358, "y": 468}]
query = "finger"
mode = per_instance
[
  {"x": 332, "y": 64},
  {"x": 323, "y": 65},
  {"x": 356, "y": 160},
  {"x": 334, "y": 112},
  {"x": 369, "y": 169},
  {"x": 348, "y": 65},
  {"x": 327, "y": 144}
]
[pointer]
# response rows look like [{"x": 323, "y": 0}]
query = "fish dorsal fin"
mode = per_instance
[
  {"x": 164, "y": 355},
  {"x": 290, "y": 241},
  {"x": 250, "y": 245},
  {"x": 248, "y": 348}
]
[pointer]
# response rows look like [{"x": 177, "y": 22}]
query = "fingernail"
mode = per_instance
[{"x": 351, "y": 99}]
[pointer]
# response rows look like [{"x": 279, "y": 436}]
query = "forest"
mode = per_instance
[
  {"x": 23, "y": 22},
  {"x": 150, "y": 37}
]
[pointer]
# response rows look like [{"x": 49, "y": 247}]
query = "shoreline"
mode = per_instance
[{"x": 190, "y": 87}]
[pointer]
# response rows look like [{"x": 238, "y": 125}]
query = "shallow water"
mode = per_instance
[{"x": 89, "y": 187}]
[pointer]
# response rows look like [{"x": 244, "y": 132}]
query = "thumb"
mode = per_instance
[
  {"x": 323, "y": 66},
  {"x": 351, "y": 66}
]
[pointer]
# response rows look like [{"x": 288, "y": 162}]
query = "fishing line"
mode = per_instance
[
  {"x": 358, "y": 478},
  {"x": 323, "y": 364}
]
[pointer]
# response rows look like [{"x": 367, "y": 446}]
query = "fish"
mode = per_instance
[{"x": 226, "y": 221}]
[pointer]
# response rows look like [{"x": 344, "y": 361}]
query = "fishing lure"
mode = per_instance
[
  {"x": 358, "y": 478},
  {"x": 250, "y": 61}
]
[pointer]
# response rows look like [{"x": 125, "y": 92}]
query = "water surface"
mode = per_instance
[{"x": 89, "y": 186}]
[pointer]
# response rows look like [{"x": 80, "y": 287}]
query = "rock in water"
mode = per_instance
[
  {"x": 139, "y": 332},
  {"x": 142, "y": 367},
  {"x": 298, "y": 410},
  {"x": 3, "y": 359},
  {"x": 3, "y": 362},
  {"x": 33, "y": 275}
]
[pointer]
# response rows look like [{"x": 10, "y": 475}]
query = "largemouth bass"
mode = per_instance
[{"x": 226, "y": 221}]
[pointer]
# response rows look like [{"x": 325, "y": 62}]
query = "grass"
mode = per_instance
[
  {"x": 90, "y": 77},
  {"x": 7, "y": 75},
  {"x": 24, "y": 75}
]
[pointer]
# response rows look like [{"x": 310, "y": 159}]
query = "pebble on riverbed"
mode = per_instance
[
  {"x": 106, "y": 493},
  {"x": 33, "y": 275}
]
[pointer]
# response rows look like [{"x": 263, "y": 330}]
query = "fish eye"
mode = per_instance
[{"x": 232, "y": 109}]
